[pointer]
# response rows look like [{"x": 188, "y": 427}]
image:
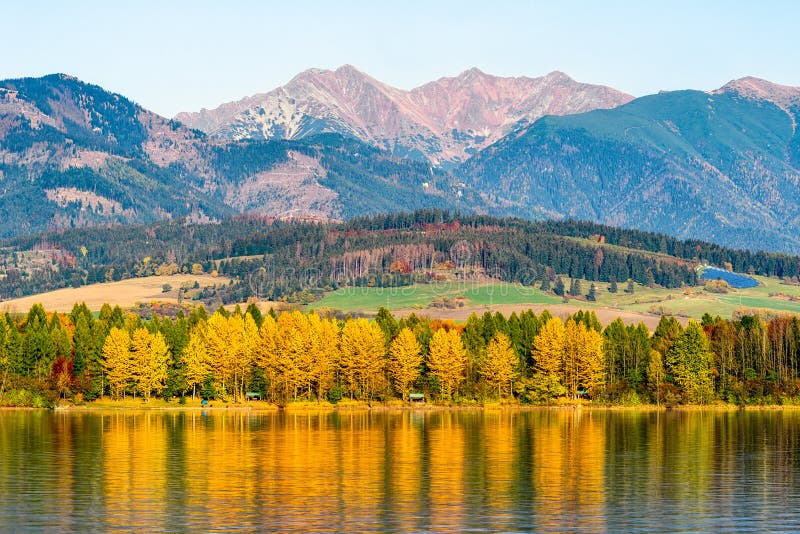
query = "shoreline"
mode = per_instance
[{"x": 378, "y": 407}]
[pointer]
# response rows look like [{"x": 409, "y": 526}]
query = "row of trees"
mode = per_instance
[{"x": 292, "y": 355}]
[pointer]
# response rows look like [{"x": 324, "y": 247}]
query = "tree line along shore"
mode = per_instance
[{"x": 293, "y": 357}]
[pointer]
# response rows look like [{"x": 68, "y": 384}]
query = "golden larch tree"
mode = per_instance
[
  {"x": 117, "y": 361},
  {"x": 573, "y": 342},
  {"x": 499, "y": 364},
  {"x": 591, "y": 360},
  {"x": 548, "y": 349},
  {"x": 248, "y": 348},
  {"x": 266, "y": 356},
  {"x": 293, "y": 341},
  {"x": 362, "y": 349},
  {"x": 405, "y": 360},
  {"x": 195, "y": 357},
  {"x": 324, "y": 349},
  {"x": 447, "y": 360},
  {"x": 224, "y": 341},
  {"x": 150, "y": 360}
]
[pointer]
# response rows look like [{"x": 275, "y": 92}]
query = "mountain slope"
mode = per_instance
[
  {"x": 444, "y": 121},
  {"x": 73, "y": 154},
  {"x": 721, "y": 167}
]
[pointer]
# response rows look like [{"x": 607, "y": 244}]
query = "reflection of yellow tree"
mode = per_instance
[
  {"x": 568, "y": 449},
  {"x": 405, "y": 451},
  {"x": 499, "y": 453},
  {"x": 446, "y": 458},
  {"x": 361, "y": 443},
  {"x": 135, "y": 470}
]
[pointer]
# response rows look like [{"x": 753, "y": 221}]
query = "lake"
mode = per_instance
[{"x": 548, "y": 470}]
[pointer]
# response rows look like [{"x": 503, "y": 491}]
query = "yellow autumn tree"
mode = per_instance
[
  {"x": 247, "y": 351},
  {"x": 266, "y": 356},
  {"x": 150, "y": 356},
  {"x": 548, "y": 349},
  {"x": 293, "y": 344},
  {"x": 324, "y": 341},
  {"x": 499, "y": 364},
  {"x": 117, "y": 361},
  {"x": 591, "y": 358},
  {"x": 228, "y": 351},
  {"x": 572, "y": 344},
  {"x": 362, "y": 350},
  {"x": 447, "y": 360},
  {"x": 405, "y": 360},
  {"x": 195, "y": 357}
]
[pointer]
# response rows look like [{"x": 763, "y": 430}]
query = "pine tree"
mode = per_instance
[
  {"x": 405, "y": 361},
  {"x": 387, "y": 322},
  {"x": 545, "y": 284},
  {"x": 559, "y": 289},
  {"x": 575, "y": 287},
  {"x": 38, "y": 352},
  {"x": 612, "y": 286},
  {"x": 83, "y": 340},
  {"x": 591, "y": 296},
  {"x": 689, "y": 360}
]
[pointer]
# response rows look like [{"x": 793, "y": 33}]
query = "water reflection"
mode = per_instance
[{"x": 550, "y": 470}]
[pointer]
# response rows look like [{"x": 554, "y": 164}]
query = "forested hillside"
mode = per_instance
[
  {"x": 75, "y": 155},
  {"x": 297, "y": 261},
  {"x": 721, "y": 167}
]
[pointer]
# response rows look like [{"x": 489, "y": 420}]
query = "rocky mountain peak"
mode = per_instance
[
  {"x": 759, "y": 89},
  {"x": 443, "y": 121}
]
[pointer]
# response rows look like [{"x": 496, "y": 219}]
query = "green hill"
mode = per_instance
[{"x": 719, "y": 167}]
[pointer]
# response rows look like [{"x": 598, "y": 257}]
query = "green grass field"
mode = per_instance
[
  {"x": 691, "y": 303},
  {"x": 369, "y": 299}
]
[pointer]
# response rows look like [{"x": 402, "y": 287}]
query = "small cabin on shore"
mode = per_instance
[{"x": 416, "y": 397}]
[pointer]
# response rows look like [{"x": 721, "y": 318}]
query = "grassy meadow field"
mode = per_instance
[
  {"x": 125, "y": 293},
  {"x": 455, "y": 299}
]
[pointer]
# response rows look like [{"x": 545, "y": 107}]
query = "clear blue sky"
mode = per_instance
[{"x": 175, "y": 56}]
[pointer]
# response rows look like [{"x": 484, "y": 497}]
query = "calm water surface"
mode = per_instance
[{"x": 354, "y": 471}]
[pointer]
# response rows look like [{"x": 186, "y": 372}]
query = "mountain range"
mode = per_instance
[
  {"x": 721, "y": 165},
  {"x": 445, "y": 121}
]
